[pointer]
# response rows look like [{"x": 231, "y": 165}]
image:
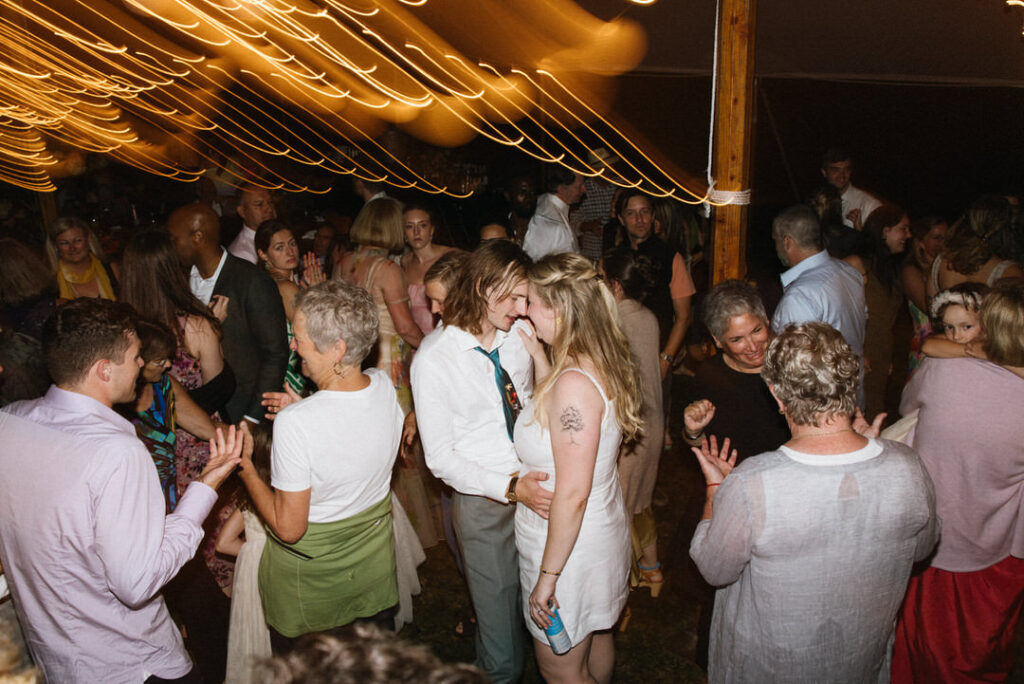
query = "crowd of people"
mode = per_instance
[{"x": 311, "y": 412}]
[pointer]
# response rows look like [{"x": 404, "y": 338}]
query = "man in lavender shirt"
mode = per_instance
[{"x": 84, "y": 541}]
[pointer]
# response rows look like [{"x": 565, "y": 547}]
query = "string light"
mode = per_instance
[{"x": 176, "y": 87}]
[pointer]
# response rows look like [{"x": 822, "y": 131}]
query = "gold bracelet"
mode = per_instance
[{"x": 553, "y": 574}]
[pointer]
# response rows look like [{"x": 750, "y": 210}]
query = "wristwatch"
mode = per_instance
[{"x": 510, "y": 493}]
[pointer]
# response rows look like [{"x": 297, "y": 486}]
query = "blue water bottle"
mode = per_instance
[{"x": 557, "y": 636}]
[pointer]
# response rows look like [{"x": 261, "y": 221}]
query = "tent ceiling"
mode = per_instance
[{"x": 940, "y": 41}]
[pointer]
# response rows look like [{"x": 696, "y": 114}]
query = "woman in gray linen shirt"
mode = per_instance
[{"x": 811, "y": 545}]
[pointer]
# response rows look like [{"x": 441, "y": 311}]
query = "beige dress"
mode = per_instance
[{"x": 638, "y": 462}]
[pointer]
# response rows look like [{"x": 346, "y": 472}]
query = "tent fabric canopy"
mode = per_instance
[{"x": 957, "y": 42}]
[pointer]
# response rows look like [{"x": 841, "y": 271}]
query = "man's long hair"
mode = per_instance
[{"x": 493, "y": 268}]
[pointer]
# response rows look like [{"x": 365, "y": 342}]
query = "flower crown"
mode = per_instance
[{"x": 969, "y": 300}]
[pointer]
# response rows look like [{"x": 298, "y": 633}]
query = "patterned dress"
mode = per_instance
[
  {"x": 922, "y": 329},
  {"x": 155, "y": 427},
  {"x": 293, "y": 376}
]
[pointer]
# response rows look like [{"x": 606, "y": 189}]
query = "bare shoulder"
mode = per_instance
[
  {"x": 573, "y": 388},
  {"x": 389, "y": 273},
  {"x": 343, "y": 269},
  {"x": 912, "y": 270},
  {"x": 198, "y": 326},
  {"x": 287, "y": 288}
]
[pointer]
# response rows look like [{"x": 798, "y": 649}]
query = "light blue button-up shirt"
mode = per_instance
[{"x": 828, "y": 290}]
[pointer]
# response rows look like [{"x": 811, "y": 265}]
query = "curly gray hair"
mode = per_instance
[
  {"x": 336, "y": 310},
  {"x": 813, "y": 372}
]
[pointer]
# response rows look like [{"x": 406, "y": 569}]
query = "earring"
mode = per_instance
[
  {"x": 340, "y": 370},
  {"x": 266, "y": 264}
]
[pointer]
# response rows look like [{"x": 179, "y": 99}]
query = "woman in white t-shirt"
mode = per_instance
[{"x": 330, "y": 555}]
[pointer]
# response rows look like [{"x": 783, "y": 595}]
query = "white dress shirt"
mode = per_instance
[
  {"x": 86, "y": 544},
  {"x": 244, "y": 245},
  {"x": 855, "y": 198},
  {"x": 202, "y": 287},
  {"x": 549, "y": 231},
  {"x": 821, "y": 288},
  {"x": 459, "y": 408}
]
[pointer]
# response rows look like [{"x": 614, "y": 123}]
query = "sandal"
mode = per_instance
[{"x": 651, "y": 578}]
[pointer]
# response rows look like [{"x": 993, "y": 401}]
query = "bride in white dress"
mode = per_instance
[{"x": 578, "y": 559}]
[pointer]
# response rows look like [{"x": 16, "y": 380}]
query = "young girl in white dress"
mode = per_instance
[
  {"x": 584, "y": 403},
  {"x": 248, "y": 635}
]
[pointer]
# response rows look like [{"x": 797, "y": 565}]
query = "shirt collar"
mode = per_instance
[
  {"x": 865, "y": 453},
  {"x": 77, "y": 403},
  {"x": 807, "y": 264},
  {"x": 549, "y": 203},
  {"x": 559, "y": 204},
  {"x": 466, "y": 340},
  {"x": 198, "y": 276}
]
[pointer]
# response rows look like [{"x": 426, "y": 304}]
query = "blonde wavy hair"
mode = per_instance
[
  {"x": 813, "y": 372},
  {"x": 588, "y": 327},
  {"x": 1002, "y": 318}
]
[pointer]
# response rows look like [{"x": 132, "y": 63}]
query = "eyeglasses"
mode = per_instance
[{"x": 158, "y": 363}]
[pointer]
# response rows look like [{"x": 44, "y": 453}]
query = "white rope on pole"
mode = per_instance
[
  {"x": 720, "y": 197},
  {"x": 711, "y": 124}
]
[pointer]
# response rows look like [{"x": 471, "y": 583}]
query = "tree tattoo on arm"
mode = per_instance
[{"x": 572, "y": 421}]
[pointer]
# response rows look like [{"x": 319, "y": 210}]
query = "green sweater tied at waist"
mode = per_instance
[{"x": 338, "y": 572}]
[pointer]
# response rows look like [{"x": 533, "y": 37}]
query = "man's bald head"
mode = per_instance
[{"x": 194, "y": 228}]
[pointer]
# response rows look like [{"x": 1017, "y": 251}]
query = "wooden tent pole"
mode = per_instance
[{"x": 734, "y": 104}]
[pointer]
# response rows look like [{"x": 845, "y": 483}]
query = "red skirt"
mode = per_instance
[{"x": 958, "y": 626}]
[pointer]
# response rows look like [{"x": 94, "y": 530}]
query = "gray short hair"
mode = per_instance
[
  {"x": 336, "y": 310},
  {"x": 801, "y": 224},
  {"x": 813, "y": 372},
  {"x": 731, "y": 298}
]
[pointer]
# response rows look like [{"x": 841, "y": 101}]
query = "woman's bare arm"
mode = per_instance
[
  {"x": 391, "y": 281},
  {"x": 286, "y": 513},
  {"x": 288, "y": 290},
  {"x": 189, "y": 415},
  {"x": 203, "y": 342},
  {"x": 229, "y": 540},
  {"x": 915, "y": 287}
]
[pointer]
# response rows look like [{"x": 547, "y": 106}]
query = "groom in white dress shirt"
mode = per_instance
[{"x": 465, "y": 408}]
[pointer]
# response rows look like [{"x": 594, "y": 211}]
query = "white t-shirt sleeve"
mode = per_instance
[{"x": 290, "y": 465}]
